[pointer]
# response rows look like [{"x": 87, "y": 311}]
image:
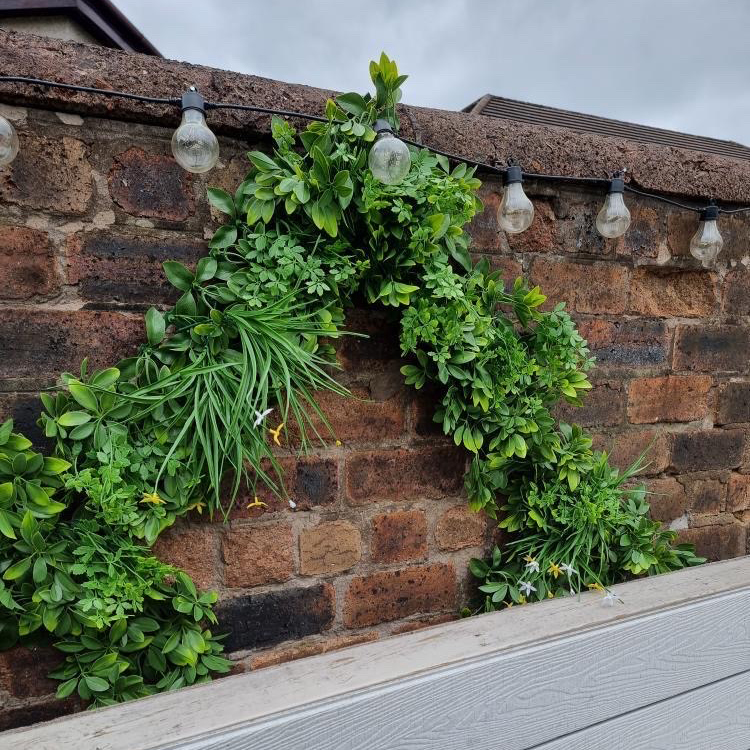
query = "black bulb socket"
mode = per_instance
[
  {"x": 193, "y": 100},
  {"x": 710, "y": 213},
  {"x": 617, "y": 185},
  {"x": 514, "y": 173},
  {"x": 382, "y": 126}
]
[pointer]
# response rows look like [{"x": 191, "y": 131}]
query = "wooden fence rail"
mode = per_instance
[{"x": 667, "y": 669}]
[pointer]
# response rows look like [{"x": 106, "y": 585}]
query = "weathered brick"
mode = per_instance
[
  {"x": 33, "y": 713},
  {"x": 705, "y": 493},
  {"x": 712, "y": 348},
  {"x": 460, "y": 527},
  {"x": 286, "y": 654},
  {"x": 716, "y": 542},
  {"x": 645, "y": 234},
  {"x": 735, "y": 298},
  {"x": 576, "y": 225},
  {"x": 423, "y": 406},
  {"x": 738, "y": 493},
  {"x": 260, "y": 620},
  {"x": 24, "y": 410},
  {"x": 587, "y": 288},
  {"x": 483, "y": 228},
  {"x": 378, "y": 351},
  {"x": 329, "y": 548},
  {"x": 428, "y": 472},
  {"x": 49, "y": 173},
  {"x": 193, "y": 549},
  {"x": 151, "y": 185},
  {"x": 733, "y": 403},
  {"x": 41, "y": 343},
  {"x": 674, "y": 398},
  {"x": 627, "y": 343},
  {"x": 112, "y": 266},
  {"x": 542, "y": 235},
  {"x": 625, "y": 447},
  {"x": 667, "y": 499},
  {"x": 391, "y": 595},
  {"x": 27, "y": 264},
  {"x": 256, "y": 555},
  {"x": 423, "y": 622},
  {"x": 399, "y": 536},
  {"x": 672, "y": 293},
  {"x": 707, "y": 449},
  {"x": 23, "y": 671},
  {"x": 603, "y": 405},
  {"x": 510, "y": 268}
]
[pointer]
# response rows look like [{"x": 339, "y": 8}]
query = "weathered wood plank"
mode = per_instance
[
  {"x": 520, "y": 677},
  {"x": 714, "y": 717}
]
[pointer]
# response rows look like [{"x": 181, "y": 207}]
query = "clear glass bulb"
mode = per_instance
[
  {"x": 390, "y": 159},
  {"x": 614, "y": 218},
  {"x": 706, "y": 243},
  {"x": 516, "y": 211},
  {"x": 193, "y": 144},
  {"x": 8, "y": 142}
]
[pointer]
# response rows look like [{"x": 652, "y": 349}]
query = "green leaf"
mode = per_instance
[
  {"x": 224, "y": 236},
  {"x": 5, "y": 429},
  {"x": 73, "y": 418},
  {"x": 54, "y": 465},
  {"x": 352, "y": 102},
  {"x": 220, "y": 199},
  {"x": 206, "y": 269},
  {"x": 67, "y": 688},
  {"x": 5, "y": 526},
  {"x": 155, "y": 326},
  {"x": 106, "y": 378},
  {"x": 18, "y": 570},
  {"x": 83, "y": 395},
  {"x": 96, "y": 684},
  {"x": 178, "y": 275},
  {"x": 262, "y": 162}
]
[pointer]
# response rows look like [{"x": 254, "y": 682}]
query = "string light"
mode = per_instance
[
  {"x": 614, "y": 218},
  {"x": 199, "y": 151},
  {"x": 516, "y": 211}
]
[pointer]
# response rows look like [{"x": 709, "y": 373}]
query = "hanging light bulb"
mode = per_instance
[
  {"x": 614, "y": 218},
  {"x": 706, "y": 243},
  {"x": 390, "y": 158},
  {"x": 194, "y": 146},
  {"x": 8, "y": 142},
  {"x": 516, "y": 211}
]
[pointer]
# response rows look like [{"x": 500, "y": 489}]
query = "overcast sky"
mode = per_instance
[{"x": 678, "y": 64}]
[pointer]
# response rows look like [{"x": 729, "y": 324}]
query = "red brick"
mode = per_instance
[
  {"x": 510, "y": 268},
  {"x": 674, "y": 398},
  {"x": 460, "y": 527},
  {"x": 49, "y": 173},
  {"x": 667, "y": 499},
  {"x": 399, "y": 536},
  {"x": 301, "y": 650},
  {"x": 429, "y": 472},
  {"x": 703, "y": 450},
  {"x": 483, "y": 228},
  {"x": 603, "y": 405},
  {"x": 706, "y": 493},
  {"x": 23, "y": 671},
  {"x": 39, "y": 343},
  {"x": 22, "y": 716},
  {"x": 626, "y": 343},
  {"x": 27, "y": 264},
  {"x": 151, "y": 185},
  {"x": 423, "y": 622},
  {"x": 587, "y": 288},
  {"x": 329, "y": 548},
  {"x": 738, "y": 493},
  {"x": 733, "y": 403},
  {"x": 716, "y": 542},
  {"x": 392, "y": 595},
  {"x": 576, "y": 225},
  {"x": 194, "y": 550},
  {"x": 625, "y": 447},
  {"x": 712, "y": 348},
  {"x": 645, "y": 234},
  {"x": 735, "y": 298},
  {"x": 672, "y": 293},
  {"x": 375, "y": 353},
  {"x": 256, "y": 555},
  {"x": 424, "y": 403},
  {"x": 116, "y": 267},
  {"x": 541, "y": 236}
]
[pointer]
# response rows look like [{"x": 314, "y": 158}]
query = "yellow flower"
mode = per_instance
[
  {"x": 596, "y": 586},
  {"x": 522, "y": 599},
  {"x": 339, "y": 443},
  {"x": 555, "y": 569},
  {"x": 153, "y": 498},
  {"x": 197, "y": 506},
  {"x": 257, "y": 503},
  {"x": 550, "y": 595},
  {"x": 509, "y": 605},
  {"x": 529, "y": 559},
  {"x": 276, "y": 433}
]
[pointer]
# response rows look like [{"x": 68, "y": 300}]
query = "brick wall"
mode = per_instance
[{"x": 380, "y": 537}]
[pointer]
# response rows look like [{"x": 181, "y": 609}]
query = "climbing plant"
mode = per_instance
[{"x": 233, "y": 370}]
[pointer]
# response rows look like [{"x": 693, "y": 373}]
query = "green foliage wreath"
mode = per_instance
[{"x": 183, "y": 425}]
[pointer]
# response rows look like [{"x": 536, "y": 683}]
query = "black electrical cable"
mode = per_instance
[{"x": 176, "y": 101}]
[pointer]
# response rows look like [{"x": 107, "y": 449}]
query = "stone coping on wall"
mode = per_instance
[{"x": 540, "y": 149}]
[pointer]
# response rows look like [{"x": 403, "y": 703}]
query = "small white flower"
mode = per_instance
[
  {"x": 260, "y": 416},
  {"x": 526, "y": 587},
  {"x": 610, "y": 598},
  {"x": 569, "y": 570},
  {"x": 533, "y": 566},
  {"x": 292, "y": 504}
]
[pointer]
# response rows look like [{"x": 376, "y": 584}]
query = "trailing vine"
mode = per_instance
[{"x": 232, "y": 370}]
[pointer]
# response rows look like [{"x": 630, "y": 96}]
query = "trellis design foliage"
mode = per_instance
[{"x": 238, "y": 361}]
